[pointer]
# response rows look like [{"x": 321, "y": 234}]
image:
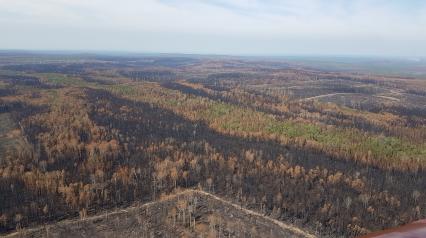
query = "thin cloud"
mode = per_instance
[{"x": 367, "y": 26}]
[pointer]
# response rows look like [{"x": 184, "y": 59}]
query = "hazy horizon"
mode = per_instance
[
  {"x": 136, "y": 53},
  {"x": 376, "y": 28}
]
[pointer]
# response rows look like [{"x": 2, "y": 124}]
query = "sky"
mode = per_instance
[{"x": 231, "y": 27}]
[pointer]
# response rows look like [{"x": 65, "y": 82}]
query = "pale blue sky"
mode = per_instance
[{"x": 238, "y": 27}]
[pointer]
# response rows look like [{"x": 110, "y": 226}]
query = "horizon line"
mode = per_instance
[{"x": 200, "y": 54}]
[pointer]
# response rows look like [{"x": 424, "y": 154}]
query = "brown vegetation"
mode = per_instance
[{"x": 108, "y": 136}]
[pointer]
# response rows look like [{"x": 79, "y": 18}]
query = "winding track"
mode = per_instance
[
  {"x": 325, "y": 95},
  {"x": 282, "y": 225},
  {"x": 291, "y": 228}
]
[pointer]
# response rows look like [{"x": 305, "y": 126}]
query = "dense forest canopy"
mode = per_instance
[{"x": 337, "y": 153}]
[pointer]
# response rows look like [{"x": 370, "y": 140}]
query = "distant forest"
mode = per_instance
[{"x": 337, "y": 153}]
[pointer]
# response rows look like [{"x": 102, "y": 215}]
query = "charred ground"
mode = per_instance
[{"x": 337, "y": 153}]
